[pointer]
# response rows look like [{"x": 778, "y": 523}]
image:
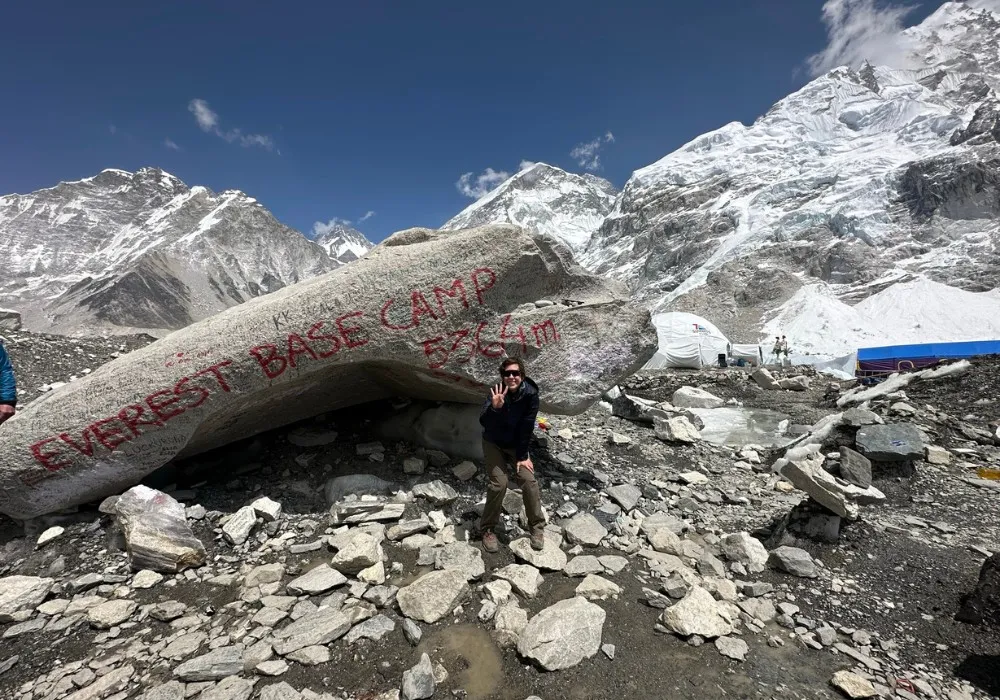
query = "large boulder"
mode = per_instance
[
  {"x": 10, "y": 320},
  {"x": 803, "y": 466},
  {"x": 157, "y": 534},
  {"x": 563, "y": 635},
  {"x": 693, "y": 397},
  {"x": 425, "y": 314}
]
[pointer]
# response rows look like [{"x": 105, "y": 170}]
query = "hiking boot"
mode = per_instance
[
  {"x": 490, "y": 542},
  {"x": 537, "y": 541}
]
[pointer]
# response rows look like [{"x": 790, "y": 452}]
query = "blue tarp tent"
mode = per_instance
[{"x": 892, "y": 358}]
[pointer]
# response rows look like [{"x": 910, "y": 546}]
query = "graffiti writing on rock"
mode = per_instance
[{"x": 154, "y": 411}]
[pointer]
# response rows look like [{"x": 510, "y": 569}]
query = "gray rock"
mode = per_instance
[
  {"x": 508, "y": 622},
  {"x": 664, "y": 540},
  {"x": 697, "y": 613},
  {"x": 595, "y": 587},
  {"x": 462, "y": 557},
  {"x": 625, "y": 495},
  {"x": 732, "y": 647},
  {"x": 171, "y": 690},
  {"x": 366, "y": 511},
  {"x": 660, "y": 520},
  {"x": 405, "y": 528},
  {"x": 584, "y": 529},
  {"x": 264, "y": 574},
  {"x": 855, "y": 467},
  {"x": 933, "y": 454},
  {"x": 146, "y": 579},
  {"x": 563, "y": 635},
  {"x": 231, "y": 688},
  {"x": 759, "y": 608},
  {"x": 216, "y": 664},
  {"x": 793, "y": 560},
  {"x": 524, "y": 578},
  {"x": 279, "y": 691},
  {"x": 743, "y": 548},
  {"x": 237, "y": 528},
  {"x": 418, "y": 682},
  {"x": 107, "y": 615},
  {"x": 168, "y": 610},
  {"x": 157, "y": 535},
  {"x": 316, "y": 581},
  {"x": 437, "y": 492},
  {"x": 113, "y": 682},
  {"x": 896, "y": 442},
  {"x": 583, "y": 565},
  {"x": 19, "y": 593},
  {"x": 276, "y": 667},
  {"x": 414, "y": 465},
  {"x": 433, "y": 595},
  {"x": 676, "y": 429},
  {"x": 267, "y": 509},
  {"x": 374, "y": 629},
  {"x": 803, "y": 466},
  {"x": 412, "y": 631},
  {"x": 799, "y": 383},
  {"x": 852, "y": 685},
  {"x": 464, "y": 471},
  {"x": 764, "y": 379},
  {"x": 51, "y": 534},
  {"x": 550, "y": 558},
  {"x": 857, "y": 417},
  {"x": 320, "y": 627},
  {"x": 356, "y": 552},
  {"x": 693, "y": 397}
]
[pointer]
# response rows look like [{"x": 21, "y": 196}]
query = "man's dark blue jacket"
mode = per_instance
[
  {"x": 514, "y": 423},
  {"x": 8, "y": 389}
]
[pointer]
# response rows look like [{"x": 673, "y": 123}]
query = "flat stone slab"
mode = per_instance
[
  {"x": 625, "y": 495},
  {"x": 319, "y": 580},
  {"x": 895, "y": 442},
  {"x": 584, "y": 529},
  {"x": 523, "y": 578},
  {"x": 433, "y": 595},
  {"x": 550, "y": 558}
]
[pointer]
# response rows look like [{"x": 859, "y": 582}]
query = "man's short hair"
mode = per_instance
[{"x": 511, "y": 361}]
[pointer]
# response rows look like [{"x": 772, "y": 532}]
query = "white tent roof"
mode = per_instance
[{"x": 686, "y": 340}]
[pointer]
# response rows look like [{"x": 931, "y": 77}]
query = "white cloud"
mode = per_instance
[
  {"x": 320, "y": 228},
  {"x": 587, "y": 155},
  {"x": 171, "y": 145},
  {"x": 472, "y": 185},
  {"x": 208, "y": 121},
  {"x": 525, "y": 164},
  {"x": 858, "y": 31},
  {"x": 991, "y": 5},
  {"x": 113, "y": 129},
  {"x": 367, "y": 215}
]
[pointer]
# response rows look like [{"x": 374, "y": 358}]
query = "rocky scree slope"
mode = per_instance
[{"x": 120, "y": 251}]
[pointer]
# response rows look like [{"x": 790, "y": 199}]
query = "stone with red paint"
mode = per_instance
[{"x": 426, "y": 314}]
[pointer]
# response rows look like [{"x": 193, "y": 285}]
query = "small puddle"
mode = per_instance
[
  {"x": 472, "y": 659},
  {"x": 736, "y": 427}
]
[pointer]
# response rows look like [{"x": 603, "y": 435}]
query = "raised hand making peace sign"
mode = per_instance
[{"x": 497, "y": 394}]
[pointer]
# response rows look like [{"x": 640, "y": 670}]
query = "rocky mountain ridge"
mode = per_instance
[{"x": 124, "y": 251}]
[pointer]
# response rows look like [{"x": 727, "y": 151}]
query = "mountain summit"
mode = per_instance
[
  {"x": 142, "y": 250},
  {"x": 547, "y": 200},
  {"x": 861, "y": 179}
]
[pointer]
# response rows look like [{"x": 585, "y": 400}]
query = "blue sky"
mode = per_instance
[{"x": 338, "y": 110}]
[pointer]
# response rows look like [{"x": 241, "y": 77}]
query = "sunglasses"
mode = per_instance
[{"x": 511, "y": 373}]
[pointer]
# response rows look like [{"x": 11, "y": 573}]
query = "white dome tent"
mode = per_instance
[{"x": 686, "y": 340}]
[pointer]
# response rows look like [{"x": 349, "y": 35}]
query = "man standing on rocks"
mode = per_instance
[
  {"x": 8, "y": 389},
  {"x": 508, "y": 420}
]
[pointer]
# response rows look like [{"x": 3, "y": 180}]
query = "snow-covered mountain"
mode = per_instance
[
  {"x": 343, "y": 243},
  {"x": 866, "y": 177},
  {"x": 545, "y": 199},
  {"x": 141, "y": 250}
]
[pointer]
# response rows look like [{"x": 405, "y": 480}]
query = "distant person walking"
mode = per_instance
[
  {"x": 784, "y": 346},
  {"x": 776, "y": 350},
  {"x": 508, "y": 420},
  {"x": 8, "y": 387}
]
